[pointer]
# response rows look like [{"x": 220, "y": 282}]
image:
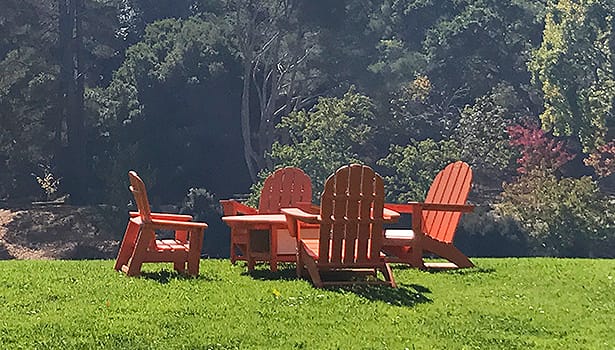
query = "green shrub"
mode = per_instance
[
  {"x": 333, "y": 133},
  {"x": 564, "y": 217},
  {"x": 205, "y": 207},
  {"x": 486, "y": 234},
  {"x": 413, "y": 167}
]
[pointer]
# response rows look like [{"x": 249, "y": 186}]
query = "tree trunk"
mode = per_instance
[
  {"x": 246, "y": 130},
  {"x": 72, "y": 88}
]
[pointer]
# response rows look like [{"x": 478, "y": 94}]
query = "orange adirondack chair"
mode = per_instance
[
  {"x": 351, "y": 223},
  {"x": 433, "y": 222},
  {"x": 140, "y": 245},
  {"x": 285, "y": 187}
]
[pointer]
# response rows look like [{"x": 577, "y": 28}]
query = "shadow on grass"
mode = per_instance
[
  {"x": 286, "y": 272},
  {"x": 165, "y": 276},
  {"x": 407, "y": 295},
  {"x": 454, "y": 271},
  {"x": 463, "y": 272}
]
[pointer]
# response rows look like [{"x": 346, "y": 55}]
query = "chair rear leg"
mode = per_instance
[
  {"x": 449, "y": 252},
  {"x": 458, "y": 258},
  {"x": 128, "y": 245},
  {"x": 388, "y": 275}
]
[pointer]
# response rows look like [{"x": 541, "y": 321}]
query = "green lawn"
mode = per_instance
[{"x": 502, "y": 304}]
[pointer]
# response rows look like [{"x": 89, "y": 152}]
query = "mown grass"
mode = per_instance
[{"x": 502, "y": 304}]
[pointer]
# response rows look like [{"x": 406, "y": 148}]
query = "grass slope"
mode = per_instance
[{"x": 503, "y": 304}]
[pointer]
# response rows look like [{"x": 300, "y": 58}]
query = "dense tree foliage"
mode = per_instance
[
  {"x": 203, "y": 97},
  {"x": 414, "y": 166},
  {"x": 336, "y": 131},
  {"x": 575, "y": 66},
  {"x": 173, "y": 95},
  {"x": 482, "y": 133},
  {"x": 49, "y": 51}
]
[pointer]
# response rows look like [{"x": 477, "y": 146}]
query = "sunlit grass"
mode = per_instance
[{"x": 503, "y": 303}]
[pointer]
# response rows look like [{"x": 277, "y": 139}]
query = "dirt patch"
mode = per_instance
[{"x": 60, "y": 232}]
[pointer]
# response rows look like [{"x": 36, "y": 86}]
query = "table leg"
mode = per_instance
[{"x": 273, "y": 249}]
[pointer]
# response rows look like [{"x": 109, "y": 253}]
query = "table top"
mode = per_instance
[
  {"x": 279, "y": 219},
  {"x": 256, "y": 219}
]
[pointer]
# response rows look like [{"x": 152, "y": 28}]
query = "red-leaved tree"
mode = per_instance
[{"x": 539, "y": 151}]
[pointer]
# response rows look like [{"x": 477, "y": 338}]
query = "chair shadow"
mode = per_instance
[
  {"x": 166, "y": 276},
  {"x": 405, "y": 295},
  {"x": 463, "y": 272},
  {"x": 286, "y": 272}
]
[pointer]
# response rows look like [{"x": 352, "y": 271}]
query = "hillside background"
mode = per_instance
[{"x": 204, "y": 98}]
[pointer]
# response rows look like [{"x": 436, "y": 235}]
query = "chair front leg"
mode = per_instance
[
  {"x": 146, "y": 235},
  {"x": 194, "y": 251}
]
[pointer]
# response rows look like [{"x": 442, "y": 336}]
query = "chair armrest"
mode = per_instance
[
  {"x": 403, "y": 208},
  {"x": 308, "y": 207},
  {"x": 301, "y": 215},
  {"x": 411, "y": 207},
  {"x": 463, "y": 208},
  {"x": 177, "y": 225},
  {"x": 165, "y": 216},
  {"x": 294, "y": 215},
  {"x": 390, "y": 215},
  {"x": 231, "y": 207}
]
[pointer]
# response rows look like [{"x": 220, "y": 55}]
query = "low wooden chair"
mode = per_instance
[
  {"x": 433, "y": 222},
  {"x": 350, "y": 237},
  {"x": 285, "y": 187},
  {"x": 140, "y": 245}
]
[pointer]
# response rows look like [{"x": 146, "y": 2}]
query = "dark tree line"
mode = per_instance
[{"x": 211, "y": 95}]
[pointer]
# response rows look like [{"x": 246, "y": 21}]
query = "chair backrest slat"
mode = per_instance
[
  {"x": 340, "y": 204},
  {"x": 451, "y": 186},
  {"x": 326, "y": 225},
  {"x": 284, "y": 188},
  {"x": 137, "y": 187},
  {"x": 352, "y": 216}
]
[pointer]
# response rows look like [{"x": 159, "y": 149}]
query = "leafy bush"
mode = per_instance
[
  {"x": 564, "y": 217},
  {"x": 331, "y": 134},
  {"x": 414, "y": 167},
  {"x": 204, "y": 207},
  {"x": 484, "y": 233}
]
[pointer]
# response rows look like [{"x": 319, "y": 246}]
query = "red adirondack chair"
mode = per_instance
[
  {"x": 433, "y": 222},
  {"x": 350, "y": 223},
  {"x": 140, "y": 245},
  {"x": 285, "y": 187}
]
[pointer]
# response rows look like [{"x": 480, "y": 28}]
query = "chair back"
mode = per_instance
[
  {"x": 283, "y": 189},
  {"x": 451, "y": 186},
  {"x": 137, "y": 187},
  {"x": 352, "y": 204}
]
